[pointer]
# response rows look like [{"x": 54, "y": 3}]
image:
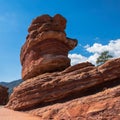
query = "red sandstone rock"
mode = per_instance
[
  {"x": 50, "y": 87},
  {"x": 101, "y": 106},
  {"x": 3, "y": 95},
  {"x": 46, "y": 48},
  {"x": 57, "y": 90},
  {"x": 109, "y": 68},
  {"x": 46, "y": 22}
]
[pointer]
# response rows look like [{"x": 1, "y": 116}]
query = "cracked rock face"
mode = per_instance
[{"x": 46, "y": 47}]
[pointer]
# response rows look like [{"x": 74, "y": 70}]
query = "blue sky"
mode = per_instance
[{"x": 95, "y": 23}]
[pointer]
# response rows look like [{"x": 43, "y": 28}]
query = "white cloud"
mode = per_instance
[
  {"x": 113, "y": 47},
  {"x": 76, "y": 58}
]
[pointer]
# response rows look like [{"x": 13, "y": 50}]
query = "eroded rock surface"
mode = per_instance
[
  {"x": 56, "y": 86},
  {"x": 3, "y": 95},
  {"x": 101, "y": 106},
  {"x": 46, "y": 47}
]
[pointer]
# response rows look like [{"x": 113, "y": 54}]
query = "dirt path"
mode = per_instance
[{"x": 6, "y": 114}]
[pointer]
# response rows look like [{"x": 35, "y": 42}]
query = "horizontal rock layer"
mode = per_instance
[
  {"x": 48, "y": 37},
  {"x": 3, "y": 95},
  {"x": 48, "y": 59},
  {"x": 101, "y": 106},
  {"x": 51, "y": 87}
]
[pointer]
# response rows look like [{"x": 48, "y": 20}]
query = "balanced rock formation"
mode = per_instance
[
  {"x": 52, "y": 89},
  {"x": 46, "y": 48},
  {"x": 3, "y": 95}
]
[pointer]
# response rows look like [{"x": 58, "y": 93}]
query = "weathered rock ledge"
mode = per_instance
[
  {"x": 51, "y": 87},
  {"x": 101, "y": 106}
]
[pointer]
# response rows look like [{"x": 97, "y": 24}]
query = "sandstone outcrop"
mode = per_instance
[
  {"x": 54, "y": 90},
  {"x": 52, "y": 87},
  {"x": 46, "y": 47},
  {"x": 3, "y": 95},
  {"x": 101, "y": 106}
]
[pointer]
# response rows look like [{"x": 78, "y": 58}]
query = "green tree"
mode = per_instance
[{"x": 104, "y": 56}]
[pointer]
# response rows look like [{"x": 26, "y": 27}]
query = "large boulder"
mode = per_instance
[
  {"x": 46, "y": 47},
  {"x": 51, "y": 87},
  {"x": 3, "y": 95}
]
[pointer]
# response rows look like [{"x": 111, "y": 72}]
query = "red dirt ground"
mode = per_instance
[{"x": 7, "y": 114}]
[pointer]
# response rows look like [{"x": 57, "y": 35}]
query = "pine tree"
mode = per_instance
[{"x": 104, "y": 56}]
